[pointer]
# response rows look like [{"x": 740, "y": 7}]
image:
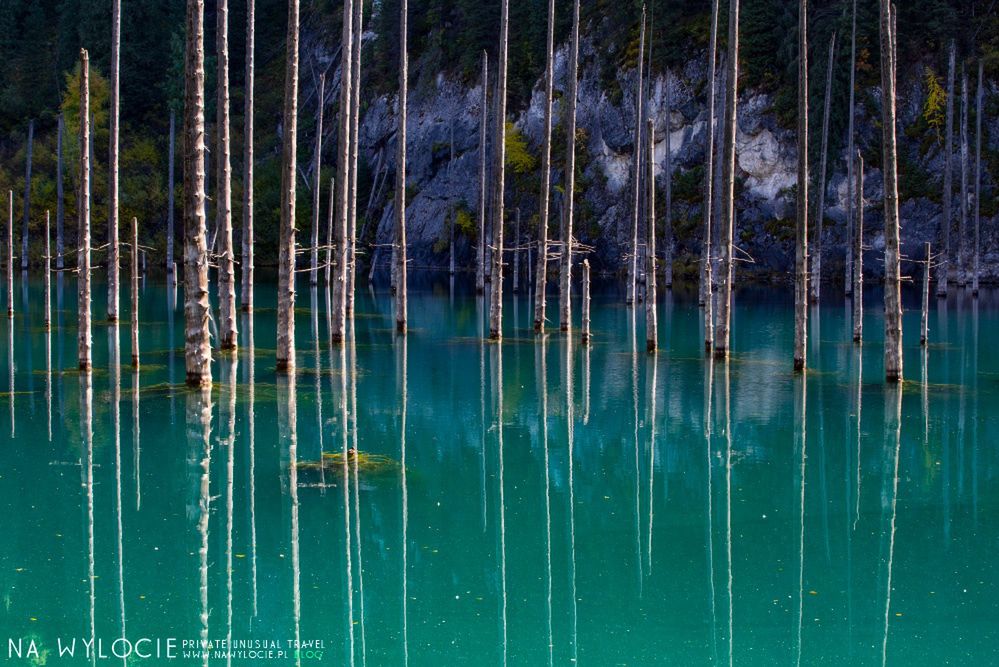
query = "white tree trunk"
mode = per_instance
[
  {"x": 541, "y": 272},
  {"x": 851, "y": 114},
  {"x": 636, "y": 167},
  {"x": 801, "y": 226},
  {"x": 480, "y": 259},
  {"x": 565, "y": 284},
  {"x": 651, "y": 301},
  {"x": 170, "y": 192},
  {"x": 84, "y": 343},
  {"x": 289, "y": 166},
  {"x": 318, "y": 162},
  {"x": 355, "y": 120},
  {"x": 962, "y": 231},
  {"x": 114, "y": 260},
  {"x": 338, "y": 319},
  {"x": 228, "y": 326},
  {"x": 47, "y": 284},
  {"x": 10, "y": 255},
  {"x": 586, "y": 302},
  {"x": 979, "y": 111},
  {"x": 707, "y": 275},
  {"x": 893, "y": 301},
  {"x": 246, "y": 294},
  {"x": 134, "y": 315},
  {"x": 499, "y": 177},
  {"x": 27, "y": 194},
  {"x": 60, "y": 204},
  {"x": 924, "y": 324},
  {"x": 948, "y": 206},
  {"x": 858, "y": 254},
  {"x": 821, "y": 205}
]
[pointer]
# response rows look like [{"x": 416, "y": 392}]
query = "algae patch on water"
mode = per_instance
[{"x": 366, "y": 463}]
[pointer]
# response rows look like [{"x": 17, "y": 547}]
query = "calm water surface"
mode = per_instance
[{"x": 543, "y": 503}]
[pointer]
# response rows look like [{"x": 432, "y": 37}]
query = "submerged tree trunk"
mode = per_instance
[
  {"x": 47, "y": 284},
  {"x": 893, "y": 302},
  {"x": 289, "y": 166},
  {"x": 821, "y": 205},
  {"x": 314, "y": 249},
  {"x": 668, "y": 204},
  {"x": 10, "y": 255},
  {"x": 948, "y": 192},
  {"x": 651, "y": 321},
  {"x": 480, "y": 258},
  {"x": 134, "y": 315},
  {"x": 706, "y": 290},
  {"x": 223, "y": 195},
  {"x": 355, "y": 120},
  {"x": 858, "y": 254},
  {"x": 851, "y": 113},
  {"x": 60, "y": 204},
  {"x": 565, "y": 291},
  {"x": 516, "y": 251},
  {"x": 801, "y": 223},
  {"x": 723, "y": 318},
  {"x": 114, "y": 260},
  {"x": 976, "y": 263},
  {"x": 400, "y": 174},
  {"x": 170, "y": 190},
  {"x": 83, "y": 229},
  {"x": 197, "y": 309},
  {"x": 586, "y": 302},
  {"x": 962, "y": 231},
  {"x": 499, "y": 175},
  {"x": 246, "y": 295},
  {"x": 924, "y": 328},
  {"x": 541, "y": 270},
  {"x": 636, "y": 168},
  {"x": 27, "y": 194}
]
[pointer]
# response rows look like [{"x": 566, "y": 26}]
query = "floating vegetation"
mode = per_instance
[{"x": 366, "y": 463}]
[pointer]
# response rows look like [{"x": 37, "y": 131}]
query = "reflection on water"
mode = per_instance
[{"x": 544, "y": 502}]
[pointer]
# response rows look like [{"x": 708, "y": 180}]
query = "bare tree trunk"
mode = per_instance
[
  {"x": 541, "y": 271},
  {"x": 84, "y": 343},
  {"x": 893, "y": 302},
  {"x": 851, "y": 114},
  {"x": 197, "y": 309},
  {"x": 338, "y": 321},
  {"x": 962, "y": 232},
  {"x": 976, "y": 266},
  {"x": 724, "y": 304},
  {"x": 355, "y": 120},
  {"x": 586, "y": 302},
  {"x": 47, "y": 285},
  {"x": 636, "y": 167},
  {"x": 565, "y": 291},
  {"x": 948, "y": 192},
  {"x": 801, "y": 226},
  {"x": 246, "y": 294},
  {"x": 499, "y": 175},
  {"x": 289, "y": 167},
  {"x": 820, "y": 210},
  {"x": 330, "y": 237},
  {"x": 314, "y": 250},
  {"x": 170, "y": 191},
  {"x": 10, "y": 255},
  {"x": 114, "y": 260},
  {"x": 228, "y": 327},
  {"x": 706, "y": 290},
  {"x": 135, "y": 292},
  {"x": 480, "y": 260},
  {"x": 651, "y": 320},
  {"x": 516, "y": 251},
  {"x": 400, "y": 174},
  {"x": 27, "y": 195},
  {"x": 858, "y": 254},
  {"x": 59, "y": 195},
  {"x": 924, "y": 328},
  {"x": 668, "y": 205}
]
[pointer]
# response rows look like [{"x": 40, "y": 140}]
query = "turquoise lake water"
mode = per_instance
[{"x": 540, "y": 502}]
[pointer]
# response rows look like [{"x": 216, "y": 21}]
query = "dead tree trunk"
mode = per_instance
[
  {"x": 84, "y": 344},
  {"x": 586, "y": 302},
  {"x": 499, "y": 175},
  {"x": 355, "y": 120},
  {"x": 565, "y": 291},
  {"x": 289, "y": 167},
  {"x": 135, "y": 292},
  {"x": 821, "y": 205},
  {"x": 706, "y": 290},
  {"x": 948, "y": 192},
  {"x": 851, "y": 113},
  {"x": 801, "y": 226},
  {"x": 858, "y": 254},
  {"x": 314, "y": 250},
  {"x": 651, "y": 319},
  {"x": 516, "y": 251},
  {"x": 47, "y": 284},
  {"x": 723, "y": 318},
  {"x": 400, "y": 175},
  {"x": 27, "y": 195},
  {"x": 197, "y": 309},
  {"x": 924, "y": 328},
  {"x": 893, "y": 302},
  {"x": 114, "y": 259},
  {"x": 480, "y": 259},
  {"x": 10, "y": 255},
  {"x": 636, "y": 168},
  {"x": 330, "y": 238},
  {"x": 962, "y": 231},
  {"x": 246, "y": 294},
  {"x": 60, "y": 263},
  {"x": 541, "y": 270},
  {"x": 170, "y": 191},
  {"x": 668, "y": 204},
  {"x": 223, "y": 195},
  {"x": 976, "y": 263}
]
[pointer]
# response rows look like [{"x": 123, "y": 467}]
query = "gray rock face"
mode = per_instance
[{"x": 766, "y": 180}]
